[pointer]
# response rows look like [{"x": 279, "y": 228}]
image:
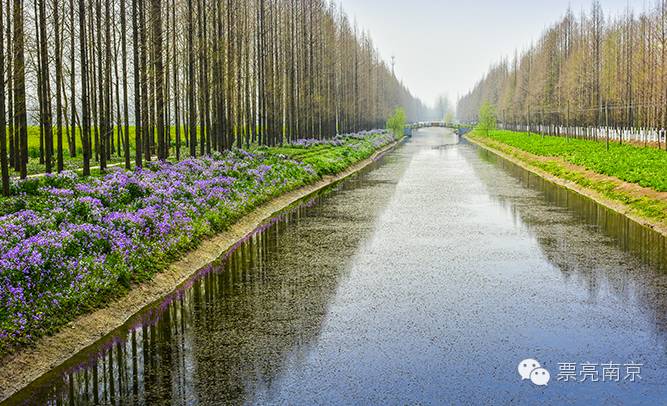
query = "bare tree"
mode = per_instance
[
  {"x": 4, "y": 167},
  {"x": 18, "y": 75}
]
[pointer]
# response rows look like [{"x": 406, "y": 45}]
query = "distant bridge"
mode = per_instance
[
  {"x": 460, "y": 130},
  {"x": 426, "y": 124}
]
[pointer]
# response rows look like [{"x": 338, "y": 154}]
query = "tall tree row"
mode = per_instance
[
  {"x": 585, "y": 70},
  {"x": 91, "y": 83}
]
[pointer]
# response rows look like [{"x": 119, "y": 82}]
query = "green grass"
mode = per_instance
[
  {"x": 644, "y": 166},
  {"x": 75, "y": 163},
  {"x": 33, "y": 136},
  {"x": 33, "y": 140},
  {"x": 327, "y": 159},
  {"x": 574, "y": 151}
]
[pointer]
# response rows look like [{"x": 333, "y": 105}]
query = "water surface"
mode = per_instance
[{"x": 425, "y": 279}]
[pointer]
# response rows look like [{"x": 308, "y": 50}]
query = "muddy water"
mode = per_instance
[{"x": 425, "y": 279}]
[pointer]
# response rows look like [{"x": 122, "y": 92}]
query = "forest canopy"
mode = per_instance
[
  {"x": 140, "y": 80},
  {"x": 585, "y": 70}
]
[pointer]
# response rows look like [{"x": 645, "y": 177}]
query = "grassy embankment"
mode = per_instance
[
  {"x": 590, "y": 165},
  {"x": 70, "y": 244}
]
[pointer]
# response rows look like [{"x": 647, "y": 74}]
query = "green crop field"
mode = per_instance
[
  {"x": 33, "y": 139},
  {"x": 644, "y": 166},
  {"x": 75, "y": 163}
]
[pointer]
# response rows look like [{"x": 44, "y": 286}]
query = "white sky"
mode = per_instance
[{"x": 445, "y": 46}]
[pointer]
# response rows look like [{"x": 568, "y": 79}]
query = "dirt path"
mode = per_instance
[{"x": 19, "y": 369}]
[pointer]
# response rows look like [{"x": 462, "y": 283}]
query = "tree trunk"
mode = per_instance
[
  {"x": 59, "y": 84},
  {"x": 4, "y": 168},
  {"x": 138, "y": 129},
  {"x": 191, "y": 82},
  {"x": 124, "y": 56},
  {"x": 20, "y": 110},
  {"x": 72, "y": 128},
  {"x": 85, "y": 113},
  {"x": 156, "y": 23}
]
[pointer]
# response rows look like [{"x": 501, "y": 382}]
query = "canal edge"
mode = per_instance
[
  {"x": 588, "y": 193},
  {"x": 24, "y": 367}
]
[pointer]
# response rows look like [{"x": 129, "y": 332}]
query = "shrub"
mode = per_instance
[
  {"x": 487, "y": 118},
  {"x": 396, "y": 123}
]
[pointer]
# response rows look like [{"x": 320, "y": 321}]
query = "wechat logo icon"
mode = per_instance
[{"x": 531, "y": 369}]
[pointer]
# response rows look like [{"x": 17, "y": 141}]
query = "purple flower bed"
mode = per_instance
[
  {"x": 309, "y": 142},
  {"x": 69, "y": 244},
  {"x": 376, "y": 137}
]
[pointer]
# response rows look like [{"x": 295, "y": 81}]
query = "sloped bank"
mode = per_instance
[
  {"x": 24, "y": 366},
  {"x": 642, "y": 205}
]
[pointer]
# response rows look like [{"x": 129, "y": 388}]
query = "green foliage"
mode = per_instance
[
  {"x": 449, "y": 118},
  {"x": 643, "y": 166},
  {"x": 396, "y": 123},
  {"x": 487, "y": 117}
]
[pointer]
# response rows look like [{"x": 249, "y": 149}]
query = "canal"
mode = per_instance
[{"x": 426, "y": 278}]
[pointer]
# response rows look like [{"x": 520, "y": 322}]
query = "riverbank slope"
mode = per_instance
[{"x": 626, "y": 178}]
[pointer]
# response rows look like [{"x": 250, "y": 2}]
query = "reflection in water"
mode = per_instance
[
  {"x": 642, "y": 241},
  {"x": 423, "y": 281},
  {"x": 181, "y": 346},
  {"x": 628, "y": 260},
  {"x": 225, "y": 335}
]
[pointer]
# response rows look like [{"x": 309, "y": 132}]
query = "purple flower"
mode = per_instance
[{"x": 86, "y": 236}]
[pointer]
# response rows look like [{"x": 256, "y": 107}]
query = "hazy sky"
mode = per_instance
[{"x": 445, "y": 46}]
